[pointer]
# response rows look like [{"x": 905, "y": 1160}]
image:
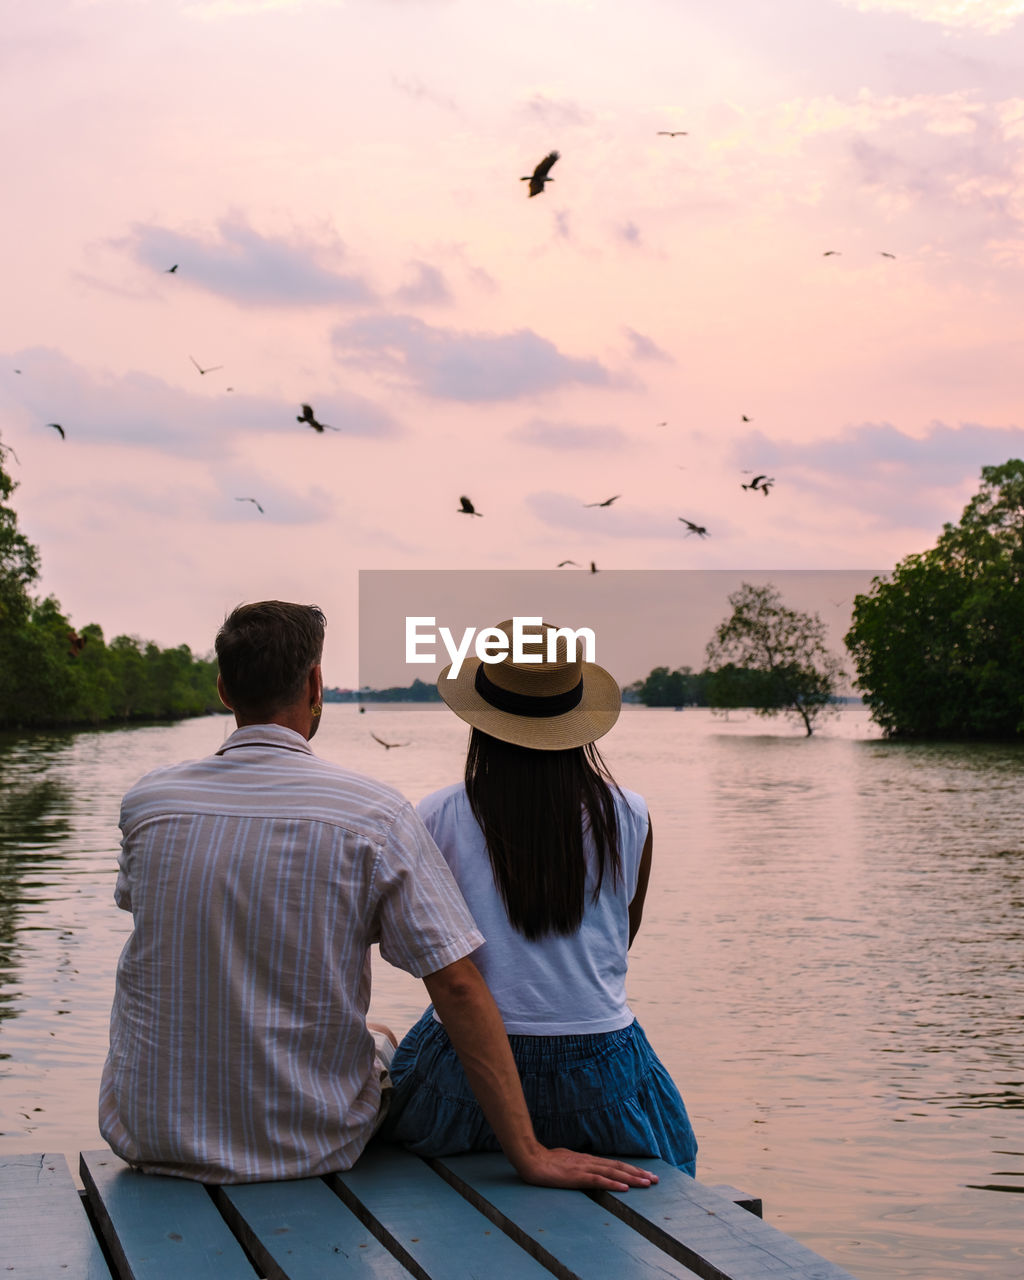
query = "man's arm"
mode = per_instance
[{"x": 473, "y": 1023}]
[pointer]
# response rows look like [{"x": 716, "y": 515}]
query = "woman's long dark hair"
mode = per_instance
[{"x": 533, "y": 807}]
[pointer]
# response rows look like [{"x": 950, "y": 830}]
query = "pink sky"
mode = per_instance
[{"x": 338, "y": 183}]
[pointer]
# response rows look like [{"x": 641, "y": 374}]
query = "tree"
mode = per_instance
[
  {"x": 772, "y": 657},
  {"x": 19, "y": 560},
  {"x": 664, "y": 688},
  {"x": 939, "y": 644}
]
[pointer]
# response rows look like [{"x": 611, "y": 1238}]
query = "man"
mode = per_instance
[{"x": 258, "y": 878}]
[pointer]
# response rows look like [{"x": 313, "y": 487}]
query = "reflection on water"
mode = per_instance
[
  {"x": 33, "y": 828},
  {"x": 830, "y": 962}
]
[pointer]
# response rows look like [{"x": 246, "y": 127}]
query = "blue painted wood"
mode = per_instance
[
  {"x": 44, "y": 1231},
  {"x": 430, "y": 1227},
  {"x": 572, "y": 1234},
  {"x": 711, "y": 1234},
  {"x": 156, "y": 1227},
  {"x": 300, "y": 1230}
]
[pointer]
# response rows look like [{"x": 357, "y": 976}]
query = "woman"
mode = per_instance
[{"x": 553, "y": 859}]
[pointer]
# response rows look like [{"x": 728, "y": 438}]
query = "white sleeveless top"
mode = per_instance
[{"x": 557, "y": 985}]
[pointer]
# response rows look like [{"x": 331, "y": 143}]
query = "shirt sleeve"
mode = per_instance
[
  {"x": 123, "y": 889},
  {"x": 424, "y": 921}
]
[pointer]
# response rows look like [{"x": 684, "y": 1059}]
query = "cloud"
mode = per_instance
[
  {"x": 644, "y": 348},
  {"x": 417, "y": 90},
  {"x": 569, "y": 435},
  {"x": 429, "y": 287},
  {"x": 142, "y": 411},
  {"x": 874, "y": 467},
  {"x": 281, "y": 504},
  {"x": 453, "y": 365},
  {"x": 989, "y": 16},
  {"x": 557, "y": 112},
  {"x": 239, "y": 263}
]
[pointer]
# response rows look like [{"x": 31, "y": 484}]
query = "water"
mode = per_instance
[{"x": 830, "y": 961}]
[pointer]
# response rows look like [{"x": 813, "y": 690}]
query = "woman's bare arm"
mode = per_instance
[{"x": 636, "y": 907}]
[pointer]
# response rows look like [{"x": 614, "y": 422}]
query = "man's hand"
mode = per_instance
[
  {"x": 477, "y": 1033},
  {"x": 559, "y": 1167}
]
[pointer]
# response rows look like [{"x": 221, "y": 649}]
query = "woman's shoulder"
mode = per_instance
[
  {"x": 633, "y": 801},
  {"x": 447, "y": 801}
]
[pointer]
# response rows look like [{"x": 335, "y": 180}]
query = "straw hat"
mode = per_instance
[{"x": 550, "y": 706}]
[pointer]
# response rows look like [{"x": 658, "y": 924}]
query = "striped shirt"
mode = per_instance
[{"x": 258, "y": 878}]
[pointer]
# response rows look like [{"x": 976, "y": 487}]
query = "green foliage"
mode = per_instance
[
  {"x": 939, "y": 645},
  {"x": 679, "y": 688},
  {"x": 49, "y": 677},
  {"x": 772, "y": 659}
]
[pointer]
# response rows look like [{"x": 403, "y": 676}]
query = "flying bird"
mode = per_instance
[
  {"x": 744, "y": 417},
  {"x": 607, "y": 502},
  {"x": 830, "y": 253},
  {"x": 57, "y": 427},
  {"x": 307, "y": 415},
  {"x": 76, "y": 643},
  {"x": 540, "y": 174},
  {"x": 254, "y": 503},
  {"x": 762, "y": 483},
  {"x": 212, "y": 369},
  {"x": 563, "y": 563},
  {"x": 698, "y": 529},
  {"x": 171, "y": 270},
  {"x": 672, "y": 133},
  {"x": 387, "y": 745},
  {"x": 886, "y": 255},
  {"x": 467, "y": 508}
]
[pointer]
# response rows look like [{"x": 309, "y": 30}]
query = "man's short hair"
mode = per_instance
[{"x": 266, "y": 651}]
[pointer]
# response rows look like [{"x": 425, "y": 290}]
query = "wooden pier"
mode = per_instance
[{"x": 391, "y": 1217}]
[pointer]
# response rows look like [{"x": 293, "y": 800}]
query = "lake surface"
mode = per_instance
[{"x": 830, "y": 963}]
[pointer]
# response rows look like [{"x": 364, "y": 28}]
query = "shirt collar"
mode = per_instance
[{"x": 266, "y": 735}]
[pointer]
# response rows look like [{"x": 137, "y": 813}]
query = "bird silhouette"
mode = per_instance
[
  {"x": 607, "y": 502},
  {"x": 309, "y": 417},
  {"x": 672, "y": 133},
  {"x": 387, "y": 745},
  {"x": 171, "y": 270},
  {"x": 593, "y": 567},
  {"x": 254, "y": 503},
  {"x": 886, "y": 255},
  {"x": 563, "y": 563},
  {"x": 212, "y": 369},
  {"x": 698, "y": 529},
  {"x": 467, "y": 508},
  {"x": 829, "y": 253},
  {"x": 762, "y": 483},
  {"x": 57, "y": 427},
  {"x": 540, "y": 174}
]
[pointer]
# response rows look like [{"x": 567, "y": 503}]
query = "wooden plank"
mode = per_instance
[
  {"x": 573, "y": 1235},
  {"x": 300, "y": 1230},
  {"x": 427, "y": 1225},
  {"x": 752, "y": 1204},
  {"x": 43, "y": 1224},
  {"x": 709, "y": 1233},
  {"x": 156, "y": 1227}
]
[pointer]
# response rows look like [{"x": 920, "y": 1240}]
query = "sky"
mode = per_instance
[{"x": 338, "y": 182}]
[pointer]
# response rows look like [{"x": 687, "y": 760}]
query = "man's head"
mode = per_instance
[{"x": 269, "y": 658}]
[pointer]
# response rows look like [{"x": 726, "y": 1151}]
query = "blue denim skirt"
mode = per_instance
[{"x": 608, "y": 1094}]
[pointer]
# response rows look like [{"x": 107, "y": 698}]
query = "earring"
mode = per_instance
[{"x": 316, "y": 709}]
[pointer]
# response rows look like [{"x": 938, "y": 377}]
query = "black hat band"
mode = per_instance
[{"x": 526, "y": 704}]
